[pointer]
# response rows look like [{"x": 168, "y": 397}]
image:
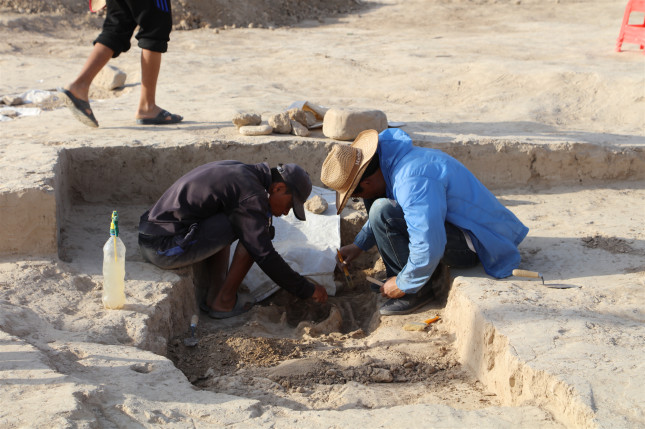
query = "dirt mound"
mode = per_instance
[
  {"x": 256, "y": 13},
  {"x": 189, "y": 14}
]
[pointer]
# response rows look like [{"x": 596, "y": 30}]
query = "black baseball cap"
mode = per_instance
[{"x": 297, "y": 179}]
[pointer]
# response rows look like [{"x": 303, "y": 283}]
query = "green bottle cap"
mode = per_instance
[{"x": 114, "y": 226}]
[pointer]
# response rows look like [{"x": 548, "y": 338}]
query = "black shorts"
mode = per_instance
[{"x": 154, "y": 18}]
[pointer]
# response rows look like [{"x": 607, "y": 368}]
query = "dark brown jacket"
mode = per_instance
[{"x": 241, "y": 192}]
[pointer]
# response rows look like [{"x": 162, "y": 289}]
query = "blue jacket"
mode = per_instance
[{"x": 432, "y": 187}]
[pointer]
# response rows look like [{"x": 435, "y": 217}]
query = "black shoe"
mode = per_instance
[
  {"x": 404, "y": 305},
  {"x": 409, "y": 302}
]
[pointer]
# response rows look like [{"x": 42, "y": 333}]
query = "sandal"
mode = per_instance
[
  {"x": 163, "y": 118},
  {"x": 80, "y": 108},
  {"x": 239, "y": 308}
]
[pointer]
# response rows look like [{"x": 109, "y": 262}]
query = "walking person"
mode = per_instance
[{"x": 154, "y": 19}]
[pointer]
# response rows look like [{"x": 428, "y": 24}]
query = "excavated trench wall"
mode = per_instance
[{"x": 141, "y": 174}]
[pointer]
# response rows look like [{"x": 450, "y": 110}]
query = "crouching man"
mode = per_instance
[
  {"x": 425, "y": 209},
  {"x": 201, "y": 214}
]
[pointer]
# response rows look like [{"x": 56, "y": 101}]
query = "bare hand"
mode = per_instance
[
  {"x": 390, "y": 290},
  {"x": 320, "y": 294},
  {"x": 349, "y": 253}
]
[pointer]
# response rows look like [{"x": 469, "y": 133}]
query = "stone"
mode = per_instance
[
  {"x": 298, "y": 115},
  {"x": 255, "y": 130},
  {"x": 242, "y": 119},
  {"x": 297, "y": 129},
  {"x": 110, "y": 78},
  {"x": 316, "y": 204},
  {"x": 311, "y": 118},
  {"x": 415, "y": 326},
  {"x": 346, "y": 124},
  {"x": 280, "y": 122},
  {"x": 12, "y": 101},
  {"x": 381, "y": 375}
]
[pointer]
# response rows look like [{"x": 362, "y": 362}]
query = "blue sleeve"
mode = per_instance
[
  {"x": 365, "y": 237},
  {"x": 424, "y": 206}
]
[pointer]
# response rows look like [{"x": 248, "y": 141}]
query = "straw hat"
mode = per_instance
[{"x": 345, "y": 165}]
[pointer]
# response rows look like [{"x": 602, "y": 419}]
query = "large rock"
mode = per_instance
[
  {"x": 346, "y": 124},
  {"x": 297, "y": 129},
  {"x": 110, "y": 78},
  {"x": 298, "y": 115},
  {"x": 280, "y": 122}
]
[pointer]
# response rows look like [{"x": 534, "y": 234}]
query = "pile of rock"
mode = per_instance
[
  {"x": 294, "y": 121},
  {"x": 338, "y": 124}
]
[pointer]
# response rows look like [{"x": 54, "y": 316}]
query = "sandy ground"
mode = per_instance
[{"x": 530, "y": 95}]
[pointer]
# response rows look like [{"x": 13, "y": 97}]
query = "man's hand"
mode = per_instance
[
  {"x": 320, "y": 294},
  {"x": 349, "y": 253},
  {"x": 390, "y": 290}
]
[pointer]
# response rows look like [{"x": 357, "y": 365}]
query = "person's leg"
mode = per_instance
[
  {"x": 392, "y": 238},
  {"x": 114, "y": 39},
  {"x": 209, "y": 274},
  {"x": 150, "y": 66},
  {"x": 155, "y": 24},
  {"x": 391, "y": 234},
  {"x": 223, "y": 297},
  {"x": 205, "y": 247},
  {"x": 76, "y": 94},
  {"x": 98, "y": 58}
]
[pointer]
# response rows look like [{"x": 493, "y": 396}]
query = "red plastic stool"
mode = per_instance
[{"x": 631, "y": 33}]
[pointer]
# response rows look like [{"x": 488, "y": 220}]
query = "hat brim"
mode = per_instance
[
  {"x": 298, "y": 207},
  {"x": 367, "y": 142}
]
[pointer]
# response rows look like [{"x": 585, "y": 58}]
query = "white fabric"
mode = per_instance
[{"x": 308, "y": 247}]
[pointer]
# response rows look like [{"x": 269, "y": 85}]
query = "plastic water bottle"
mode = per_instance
[{"x": 114, "y": 268}]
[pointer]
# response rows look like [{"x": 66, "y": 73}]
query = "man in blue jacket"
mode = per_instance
[{"x": 424, "y": 209}]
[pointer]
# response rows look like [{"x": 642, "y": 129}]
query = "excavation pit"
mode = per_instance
[
  {"x": 284, "y": 352},
  {"x": 294, "y": 352}
]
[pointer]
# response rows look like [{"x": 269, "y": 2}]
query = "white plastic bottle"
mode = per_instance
[{"x": 114, "y": 268}]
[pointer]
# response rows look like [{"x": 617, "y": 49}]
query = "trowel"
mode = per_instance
[
  {"x": 192, "y": 340},
  {"x": 537, "y": 275}
]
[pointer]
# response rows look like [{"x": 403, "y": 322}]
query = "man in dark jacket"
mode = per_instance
[{"x": 201, "y": 214}]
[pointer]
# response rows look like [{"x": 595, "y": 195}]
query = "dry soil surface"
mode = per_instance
[{"x": 529, "y": 94}]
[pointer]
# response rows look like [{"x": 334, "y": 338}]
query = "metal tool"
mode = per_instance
[
  {"x": 348, "y": 278},
  {"x": 377, "y": 283},
  {"x": 192, "y": 341},
  {"x": 537, "y": 275}
]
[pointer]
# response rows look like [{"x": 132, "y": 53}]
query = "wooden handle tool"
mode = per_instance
[{"x": 529, "y": 274}]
